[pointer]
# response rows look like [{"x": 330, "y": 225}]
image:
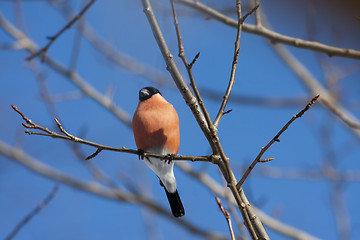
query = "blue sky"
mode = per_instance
[{"x": 311, "y": 141}]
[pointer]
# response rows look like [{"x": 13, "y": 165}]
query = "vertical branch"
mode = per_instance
[
  {"x": 342, "y": 218},
  {"x": 258, "y": 14},
  {"x": 227, "y": 217},
  {"x": 252, "y": 222},
  {"x": 172, "y": 68},
  {"x": 233, "y": 68},
  {"x": 189, "y": 68}
]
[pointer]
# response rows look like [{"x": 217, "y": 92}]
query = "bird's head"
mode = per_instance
[{"x": 147, "y": 92}]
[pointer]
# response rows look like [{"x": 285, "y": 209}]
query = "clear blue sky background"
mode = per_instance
[{"x": 305, "y": 204}]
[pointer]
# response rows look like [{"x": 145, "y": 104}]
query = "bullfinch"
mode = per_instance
[{"x": 156, "y": 130}]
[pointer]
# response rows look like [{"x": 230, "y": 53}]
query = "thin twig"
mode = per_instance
[
  {"x": 273, "y": 36},
  {"x": 94, "y": 154},
  {"x": 189, "y": 69},
  {"x": 194, "y": 60},
  {"x": 227, "y": 217},
  {"x": 112, "y": 53},
  {"x": 233, "y": 67},
  {"x": 32, "y": 214},
  {"x": 66, "y": 136},
  {"x": 52, "y": 39},
  {"x": 314, "y": 86},
  {"x": 249, "y": 13},
  {"x": 274, "y": 139},
  {"x": 73, "y": 77}
]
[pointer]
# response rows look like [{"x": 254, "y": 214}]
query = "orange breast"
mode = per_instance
[{"x": 156, "y": 125}]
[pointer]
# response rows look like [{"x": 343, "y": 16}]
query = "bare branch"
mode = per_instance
[
  {"x": 252, "y": 223},
  {"x": 194, "y": 60},
  {"x": 172, "y": 68},
  {"x": 94, "y": 154},
  {"x": 86, "y": 88},
  {"x": 266, "y": 159},
  {"x": 100, "y": 147},
  {"x": 99, "y": 190},
  {"x": 275, "y": 139},
  {"x": 274, "y": 102},
  {"x": 249, "y": 13},
  {"x": 227, "y": 217},
  {"x": 269, "y": 221},
  {"x": 274, "y": 37},
  {"x": 112, "y": 53},
  {"x": 233, "y": 67},
  {"x": 52, "y": 39},
  {"x": 315, "y": 87},
  {"x": 32, "y": 214},
  {"x": 309, "y": 175},
  {"x": 189, "y": 70}
]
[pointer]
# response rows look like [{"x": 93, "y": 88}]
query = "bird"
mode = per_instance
[{"x": 155, "y": 126}]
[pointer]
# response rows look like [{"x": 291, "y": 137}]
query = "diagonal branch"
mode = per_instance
[
  {"x": 52, "y": 39},
  {"x": 73, "y": 77},
  {"x": 113, "y": 54},
  {"x": 35, "y": 211},
  {"x": 274, "y": 139},
  {"x": 314, "y": 86}
]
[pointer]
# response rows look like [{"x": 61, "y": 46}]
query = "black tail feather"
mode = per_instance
[{"x": 177, "y": 208}]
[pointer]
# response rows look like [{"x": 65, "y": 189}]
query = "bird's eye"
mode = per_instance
[{"x": 145, "y": 92}]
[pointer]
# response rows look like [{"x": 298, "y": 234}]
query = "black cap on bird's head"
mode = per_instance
[{"x": 147, "y": 92}]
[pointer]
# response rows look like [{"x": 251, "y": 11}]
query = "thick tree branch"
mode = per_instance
[
  {"x": 269, "y": 221},
  {"x": 251, "y": 221},
  {"x": 97, "y": 189},
  {"x": 274, "y": 37},
  {"x": 315, "y": 87},
  {"x": 173, "y": 70},
  {"x": 309, "y": 175}
]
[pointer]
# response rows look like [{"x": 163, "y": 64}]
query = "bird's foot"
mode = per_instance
[
  {"x": 140, "y": 153},
  {"x": 170, "y": 157}
]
